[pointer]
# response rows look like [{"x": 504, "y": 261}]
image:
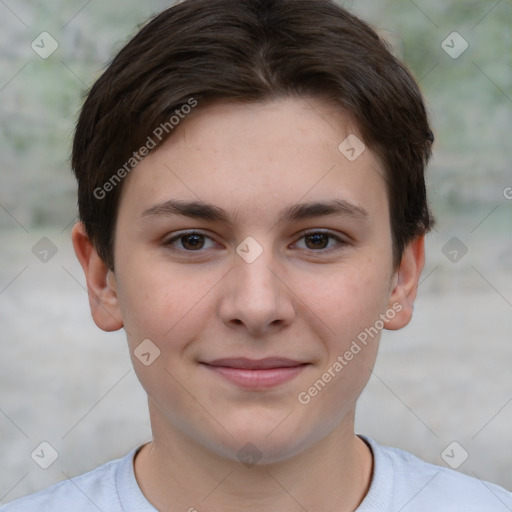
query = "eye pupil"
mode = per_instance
[
  {"x": 197, "y": 241},
  {"x": 319, "y": 240}
]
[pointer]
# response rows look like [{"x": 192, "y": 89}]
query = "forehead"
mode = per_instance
[{"x": 256, "y": 157}]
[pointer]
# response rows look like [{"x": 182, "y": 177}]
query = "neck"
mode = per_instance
[{"x": 177, "y": 473}]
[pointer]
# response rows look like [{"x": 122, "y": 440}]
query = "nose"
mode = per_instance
[{"x": 255, "y": 297}]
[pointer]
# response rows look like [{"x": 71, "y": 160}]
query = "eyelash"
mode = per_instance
[{"x": 305, "y": 234}]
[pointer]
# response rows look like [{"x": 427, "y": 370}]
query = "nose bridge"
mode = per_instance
[
  {"x": 255, "y": 295},
  {"x": 254, "y": 281}
]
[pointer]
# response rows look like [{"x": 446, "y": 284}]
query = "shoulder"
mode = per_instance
[
  {"x": 85, "y": 492},
  {"x": 441, "y": 484},
  {"x": 420, "y": 486}
]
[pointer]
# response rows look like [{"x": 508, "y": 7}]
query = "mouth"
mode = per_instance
[{"x": 256, "y": 373}]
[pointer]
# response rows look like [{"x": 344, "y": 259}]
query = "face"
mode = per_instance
[{"x": 254, "y": 255}]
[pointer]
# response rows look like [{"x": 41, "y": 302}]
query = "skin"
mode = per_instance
[{"x": 302, "y": 298}]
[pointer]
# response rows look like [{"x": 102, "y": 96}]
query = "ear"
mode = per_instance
[
  {"x": 101, "y": 284},
  {"x": 405, "y": 284}
]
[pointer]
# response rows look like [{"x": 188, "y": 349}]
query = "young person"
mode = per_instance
[{"x": 252, "y": 213}]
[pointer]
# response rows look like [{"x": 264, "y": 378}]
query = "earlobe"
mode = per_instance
[
  {"x": 101, "y": 285},
  {"x": 405, "y": 284}
]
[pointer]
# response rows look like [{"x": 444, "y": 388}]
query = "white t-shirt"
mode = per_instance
[{"x": 400, "y": 483}]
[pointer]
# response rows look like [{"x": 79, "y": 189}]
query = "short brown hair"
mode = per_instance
[{"x": 252, "y": 50}]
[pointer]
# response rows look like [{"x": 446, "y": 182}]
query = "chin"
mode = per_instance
[{"x": 263, "y": 442}]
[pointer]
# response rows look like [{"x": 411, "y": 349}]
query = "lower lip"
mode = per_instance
[{"x": 257, "y": 379}]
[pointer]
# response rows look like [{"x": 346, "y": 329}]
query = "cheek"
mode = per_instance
[
  {"x": 157, "y": 305},
  {"x": 349, "y": 306},
  {"x": 347, "y": 300},
  {"x": 162, "y": 304}
]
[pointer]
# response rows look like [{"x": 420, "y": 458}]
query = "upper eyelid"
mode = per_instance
[
  {"x": 187, "y": 232},
  {"x": 318, "y": 230},
  {"x": 180, "y": 234}
]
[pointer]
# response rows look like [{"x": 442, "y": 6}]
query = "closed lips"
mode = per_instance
[
  {"x": 255, "y": 364},
  {"x": 256, "y": 374}
]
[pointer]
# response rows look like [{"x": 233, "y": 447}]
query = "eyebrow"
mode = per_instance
[{"x": 293, "y": 213}]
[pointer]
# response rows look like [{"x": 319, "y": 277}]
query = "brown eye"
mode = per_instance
[
  {"x": 192, "y": 242},
  {"x": 320, "y": 242},
  {"x": 317, "y": 240}
]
